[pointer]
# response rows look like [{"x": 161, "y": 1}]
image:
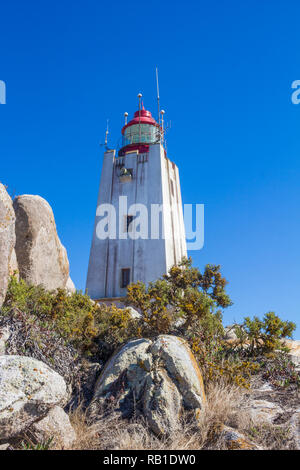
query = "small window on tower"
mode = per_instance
[{"x": 125, "y": 277}]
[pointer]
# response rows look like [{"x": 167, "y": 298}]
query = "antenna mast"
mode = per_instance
[
  {"x": 139, "y": 97},
  {"x": 157, "y": 88},
  {"x": 106, "y": 135}
]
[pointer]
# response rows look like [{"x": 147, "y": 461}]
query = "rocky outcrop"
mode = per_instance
[
  {"x": 158, "y": 379},
  {"x": 55, "y": 425},
  {"x": 264, "y": 410},
  {"x": 41, "y": 257},
  {"x": 234, "y": 440},
  {"x": 28, "y": 391},
  {"x": 7, "y": 239}
]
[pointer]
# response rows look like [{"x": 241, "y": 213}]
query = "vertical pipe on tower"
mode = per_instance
[
  {"x": 162, "y": 125},
  {"x": 139, "y": 97}
]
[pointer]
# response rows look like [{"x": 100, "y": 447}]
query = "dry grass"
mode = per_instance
[
  {"x": 272, "y": 437},
  {"x": 225, "y": 406},
  {"x": 112, "y": 433}
]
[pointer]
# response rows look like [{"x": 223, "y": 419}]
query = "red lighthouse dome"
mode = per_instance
[{"x": 141, "y": 131}]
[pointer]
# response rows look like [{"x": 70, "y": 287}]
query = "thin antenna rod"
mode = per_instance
[
  {"x": 157, "y": 88},
  {"x": 106, "y": 134},
  {"x": 140, "y": 133}
]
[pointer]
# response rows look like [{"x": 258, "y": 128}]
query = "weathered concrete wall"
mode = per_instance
[{"x": 155, "y": 181}]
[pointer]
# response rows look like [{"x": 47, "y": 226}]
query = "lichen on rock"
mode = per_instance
[
  {"x": 28, "y": 390},
  {"x": 157, "y": 379},
  {"x": 41, "y": 257}
]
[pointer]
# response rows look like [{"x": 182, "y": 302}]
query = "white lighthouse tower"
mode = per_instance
[{"x": 140, "y": 200}]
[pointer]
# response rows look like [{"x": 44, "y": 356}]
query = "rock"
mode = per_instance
[
  {"x": 157, "y": 379},
  {"x": 230, "y": 334},
  {"x": 294, "y": 353},
  {"x": 7, "y": 239},
  {"x": 295, "y": 428},
  {"x": 55, "y": 425},
  {"x": 4, "y": 446},
  {"x": 41, "y": 257},
  {"x": 135, "y": 315},
  {"x": 70, "y": 286},
  {"x": 28, "y": 390},
  {"x": 13, "y": 268},
  {"x": 234, "y": 440},
  {"x": 265, "y": 388},
  {"x": 4, "y": 335},
  {"x": 262, "y": 410},
  {"x": 231, "y": 338},
  {"x": 163, "y": 417}
]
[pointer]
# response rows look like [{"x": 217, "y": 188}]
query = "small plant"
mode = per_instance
[
  {"x": 270, "y": 436},
  {"x": 44, "y": 445},
  {"x": 280, "y": 371}
]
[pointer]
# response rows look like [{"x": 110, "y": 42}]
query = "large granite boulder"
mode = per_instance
[
  {"x": 156, "y": 379},
  {"x": 41, "y": 257},
  {"x": 7, "y": 239},
  {"x": 28, "y": 391}
]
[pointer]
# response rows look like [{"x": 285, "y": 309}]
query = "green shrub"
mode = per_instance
[
  {"x": 79, "y": 321},
  {"x": 189, "y": 304},
  {"x": 280, "y": 371},
  {"x": 263, "y": 336},
  {"x": 184, "y": 302}
]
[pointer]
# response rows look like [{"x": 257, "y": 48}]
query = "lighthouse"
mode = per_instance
[{"x": 139, "y": 229}]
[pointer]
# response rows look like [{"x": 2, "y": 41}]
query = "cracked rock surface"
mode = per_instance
[
  {"x": 28, "y": 390},
  {"x": 41, "y": 257},
  {"x": 157, "y": 379},
  {"x": 7, "y": 239}
]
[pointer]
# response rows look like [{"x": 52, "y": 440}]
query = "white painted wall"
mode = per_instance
[{"x": 147, "y": 259}]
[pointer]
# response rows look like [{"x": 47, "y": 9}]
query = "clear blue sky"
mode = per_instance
[{"x": 226, "y": 69}]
